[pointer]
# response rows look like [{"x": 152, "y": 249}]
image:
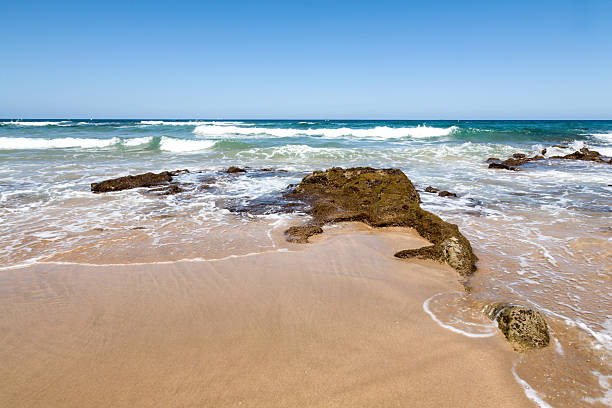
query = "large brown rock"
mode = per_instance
[
  {"x": 139, "y": 180},
  {"x": 384, "y": 197},
  {"x": 524, "y": 328}
]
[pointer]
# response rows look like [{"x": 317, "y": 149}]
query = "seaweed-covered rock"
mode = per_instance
[
  {"x": 518, "y": 159},
  {"x": 128, "y": 182},
  {"x": 502, "y": 166},
  {"x": 524, "y": 328},
  {"x": 445, "y": 193},
  {"x": 384, "y": 197},
  {"x": 585, "y": 155},
  {"x": 301, "y": 234}
]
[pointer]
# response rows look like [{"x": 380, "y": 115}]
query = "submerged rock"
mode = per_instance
[
  {"x": 384, "y": 197},
  {"x": 585, "y": 155},
  {"x": 171, "y": 189},
  {"x": 524, "y": 328},
  {"x": 502, "y": 166},
  {"x": 518, "y": 159},
  {"x": 301, "y": 234},
  {"x": 445, "y": 193},
  {"x": 139, "y": 180}
]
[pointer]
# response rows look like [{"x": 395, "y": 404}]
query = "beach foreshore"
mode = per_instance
[{"x": 338, "y": 322}]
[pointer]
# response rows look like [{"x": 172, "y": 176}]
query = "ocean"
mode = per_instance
[{"x": 543, "y": 234}]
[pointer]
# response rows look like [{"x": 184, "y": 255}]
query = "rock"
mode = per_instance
[
  {"x": 301, "y": 234},
  {"x": 518, "y": 159},
  {"x": 384, "y": 197},
  {"x": 431, "y": 189},
  {"x": 585, "y": 155},
  {"x": 172, "y": 189},
  {"x": 445, "y": 193},
  {"x": 492, "y": 159},
  {"x": 268, "y": 169},
  {"x": 524, "y": 328},
  {"x": 128, "y": 182},
  {"x": 502, "y": 166},
  {"x": 234, "y": 169}
]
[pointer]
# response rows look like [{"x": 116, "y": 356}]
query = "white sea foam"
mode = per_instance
[
  {"x": 169, "y": 144},
  {"x": 605, "y": 382},
  {"x": 452, "y": 322},
  {"x": 529, "y": 391},
  {"x": 606, "y": 137},
  {"x": 187, "y": 123},
  {"x": 29, "y": 123},
  {"x": 575, "y": 146},
  {"x": 25, "y": 143},
  {"x": 378, "y": 132},
  {"x": 137, "y": 141}
]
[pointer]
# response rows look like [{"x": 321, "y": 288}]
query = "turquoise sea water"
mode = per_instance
[{"x": 543, "y": 235}]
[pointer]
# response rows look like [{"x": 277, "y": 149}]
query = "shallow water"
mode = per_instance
[{"x": 543, "y": 235}]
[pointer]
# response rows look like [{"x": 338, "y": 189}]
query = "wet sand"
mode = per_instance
[{"x": 335, "y": 323}]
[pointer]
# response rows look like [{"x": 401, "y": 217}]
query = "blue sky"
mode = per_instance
[{"x": 309, "y": 59}]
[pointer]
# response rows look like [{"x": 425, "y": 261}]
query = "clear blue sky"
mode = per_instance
[{"x": 307, "y": 59}]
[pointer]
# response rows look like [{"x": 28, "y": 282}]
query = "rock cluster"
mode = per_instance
[
  {"x": 384, "y": 197},
  {"x": 518, "y": 159},
  {"x": 442, "y": 193}
]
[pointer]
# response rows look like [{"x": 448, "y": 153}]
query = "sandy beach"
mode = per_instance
[{"x": 335, "y": 323}]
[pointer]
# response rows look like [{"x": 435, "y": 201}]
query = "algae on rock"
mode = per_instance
[
  {"x": 524, "y": 328},
  {"x": 384, "y": 197}
]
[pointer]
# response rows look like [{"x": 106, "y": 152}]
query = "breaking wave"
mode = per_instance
[
  {"x": 27, "y": 143},
  {"x": 173, "y": 145},
  {"x": 378, "y": 132},
  {"x": 35, "y": 123}
]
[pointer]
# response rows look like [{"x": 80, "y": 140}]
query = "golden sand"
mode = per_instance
[{"x": 335, "y": 323}]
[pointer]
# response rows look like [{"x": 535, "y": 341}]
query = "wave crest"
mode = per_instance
[{"x": 378, "y": 132}]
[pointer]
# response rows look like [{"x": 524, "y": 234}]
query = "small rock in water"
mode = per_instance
[
  {"x": 431, "y": 189},
  {"x": 445, "y": 193},
  {"x": 502, "y": 166},
  {"x": 492, "y": 159},
  {"x": 234, "y": 169},
  {"x": 523, "y": 327}
]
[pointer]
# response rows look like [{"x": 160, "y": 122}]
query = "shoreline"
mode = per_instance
[{"x": 338, "y": 322}]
